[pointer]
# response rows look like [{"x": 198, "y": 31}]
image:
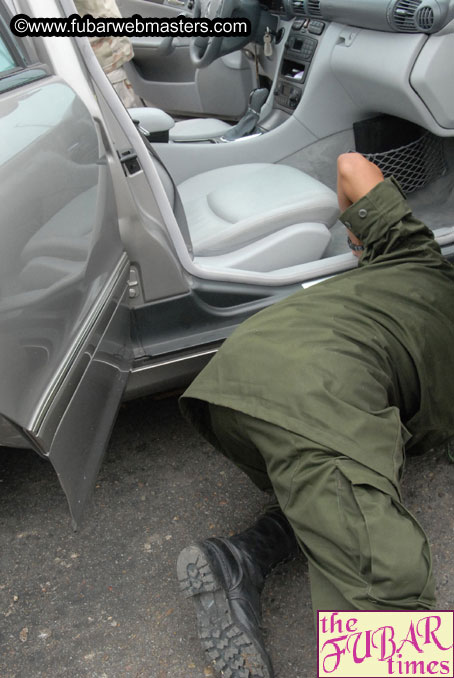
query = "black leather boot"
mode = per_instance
[{"x": 225, "y": 577}]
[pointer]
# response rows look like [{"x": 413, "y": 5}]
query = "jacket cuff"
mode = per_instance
[{"x": 379, "y": 209}]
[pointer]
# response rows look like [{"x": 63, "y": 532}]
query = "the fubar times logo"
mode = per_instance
[{"x": 385, "y": 644}]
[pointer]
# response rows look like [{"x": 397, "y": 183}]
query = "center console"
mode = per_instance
[{"x": 300, "y": 48}]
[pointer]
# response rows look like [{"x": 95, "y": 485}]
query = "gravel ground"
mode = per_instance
[{"x": 104, "y": 602}]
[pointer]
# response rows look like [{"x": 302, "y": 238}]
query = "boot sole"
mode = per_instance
[{"x": 227, "y": 644}]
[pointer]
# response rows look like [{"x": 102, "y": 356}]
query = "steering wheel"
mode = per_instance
[{"x": 203, "y": 50}]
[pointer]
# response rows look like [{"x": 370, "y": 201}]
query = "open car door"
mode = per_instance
[{"x": 64, "y": 317}]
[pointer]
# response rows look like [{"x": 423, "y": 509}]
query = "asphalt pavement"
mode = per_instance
[{"x": 104, "y": 602}]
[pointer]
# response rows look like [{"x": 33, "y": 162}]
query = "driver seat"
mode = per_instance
[
  {"x": 255, "y": 216},
  {"x": 259, "y": 217}
]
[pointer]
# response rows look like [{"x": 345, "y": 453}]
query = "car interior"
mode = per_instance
[{"x": 259, "y": 206}]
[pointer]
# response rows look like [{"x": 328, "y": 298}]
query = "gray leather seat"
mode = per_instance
[
  {"x": 259, "y": 216},
  {"x": 255, "y": 216}
]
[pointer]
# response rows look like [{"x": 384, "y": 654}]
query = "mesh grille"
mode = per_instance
[
  {"x": 313, "y": 7},
  {"x": 425, "y": 18},
  {"x": 413, "y": 165},
  {"x": 404, "y": 15}
]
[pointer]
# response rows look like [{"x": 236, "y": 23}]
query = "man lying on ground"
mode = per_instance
[{"x": 316, "y": 398}]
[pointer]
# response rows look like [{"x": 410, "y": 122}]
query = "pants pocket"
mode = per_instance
[{"x": 388, "y": 545}]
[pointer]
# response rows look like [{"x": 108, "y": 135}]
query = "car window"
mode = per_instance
[
  {"x": 7, "y": 61},
  {"x": 12, "y": 55},
  {"x": 16, "y": 69}
]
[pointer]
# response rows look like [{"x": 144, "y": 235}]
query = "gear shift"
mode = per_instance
[{"x": 250, "y": 119}]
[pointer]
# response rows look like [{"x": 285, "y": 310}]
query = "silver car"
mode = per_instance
[{"x": 132, "y": 245}]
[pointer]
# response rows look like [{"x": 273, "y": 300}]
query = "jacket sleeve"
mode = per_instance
[{"x": 383, "y": 221}]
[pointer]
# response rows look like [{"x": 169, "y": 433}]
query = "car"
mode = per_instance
[{"x": 128, "y": 256}]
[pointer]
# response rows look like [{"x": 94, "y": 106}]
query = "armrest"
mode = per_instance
[{"x": 152, "y": 119}]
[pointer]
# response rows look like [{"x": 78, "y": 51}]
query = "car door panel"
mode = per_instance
[
  {"x": 170, "y": 81},
  {"x": 64, "y": 320},
  {"x": 83, "y": 429}
]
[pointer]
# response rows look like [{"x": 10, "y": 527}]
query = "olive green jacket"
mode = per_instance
[{"x": 362, "y": 363}]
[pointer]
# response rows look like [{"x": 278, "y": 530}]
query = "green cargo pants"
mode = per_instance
[{"x": 365, "y": 550}]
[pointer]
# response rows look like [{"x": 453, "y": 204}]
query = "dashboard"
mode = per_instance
[
  {"x": 395, "y": 67},
  {"x": 400, "y": 16}
]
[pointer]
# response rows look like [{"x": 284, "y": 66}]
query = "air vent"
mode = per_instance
[
  {"x": 298, "y": 6},
  {"x": 313, "y": 8},
  {"x": 425, "y": 18},
  {"x": 403, "y": 16}
]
